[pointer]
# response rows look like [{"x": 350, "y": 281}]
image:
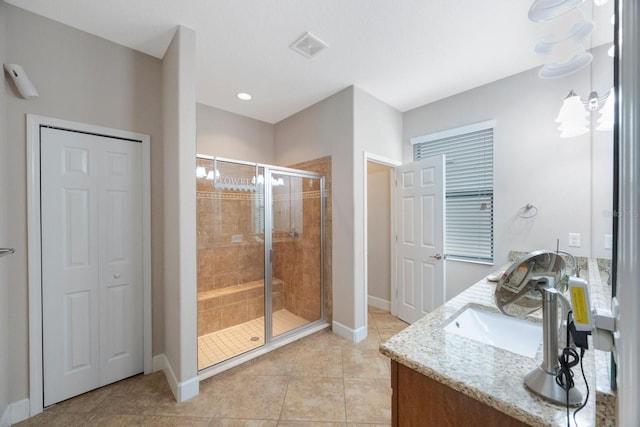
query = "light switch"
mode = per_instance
[
  {"x": 608, "y": 241},
  {"x": 574, "y": 240}
]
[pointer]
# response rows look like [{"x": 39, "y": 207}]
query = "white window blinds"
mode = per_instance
[{"x": 469, "y": 190}]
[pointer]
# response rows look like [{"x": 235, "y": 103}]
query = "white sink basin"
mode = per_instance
[{"x": 508, "y": 333}]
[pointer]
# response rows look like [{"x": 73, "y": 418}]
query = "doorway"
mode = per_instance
[
  {"x": 379, "y": 231},
  {"x": 417, "y": 219},
  {"x": 89, "y": 257},
  {"x": 260, "y": 257}
]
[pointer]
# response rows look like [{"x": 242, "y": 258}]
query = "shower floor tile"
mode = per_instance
[{"x": 226, "y": 343}]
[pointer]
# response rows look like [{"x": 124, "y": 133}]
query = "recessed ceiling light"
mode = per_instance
[{"x": 244, "y": 96}]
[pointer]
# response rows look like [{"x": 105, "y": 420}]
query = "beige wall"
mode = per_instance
[
  {"x": 344, "y": 126},
  {"x": 377, "y": 131},
  {"x": 4, "y": 239},
  {"x": 179, "y": 184},
  {"x": 326, "y": 129},
  {"x": 224, "y": 134},
  {"x": 378, "y": 232},
  {"x": 568, "y": 180},
  {"x": 80, "y": 78}
]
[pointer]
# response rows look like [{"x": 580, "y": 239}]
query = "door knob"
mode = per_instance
[
  {"x": 436, "y": 256},
  {"x": 116, "y": 275}
]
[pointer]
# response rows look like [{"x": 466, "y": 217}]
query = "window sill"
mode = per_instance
[{"x": 470, "y": 261}]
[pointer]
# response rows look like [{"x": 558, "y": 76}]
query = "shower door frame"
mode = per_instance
[
  {"x": 268, "y": 249},
  {"x": 271, "y": 343}
]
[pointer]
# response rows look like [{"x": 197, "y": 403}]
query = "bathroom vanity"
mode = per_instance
[
  {"x": 441, "y": 378},
  {"x": 419, "y": 400}
]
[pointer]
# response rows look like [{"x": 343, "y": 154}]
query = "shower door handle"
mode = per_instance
[{"x": 6, "y": 251}]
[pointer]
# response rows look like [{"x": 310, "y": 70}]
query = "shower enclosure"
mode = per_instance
[{"x": 260, "y": 256}]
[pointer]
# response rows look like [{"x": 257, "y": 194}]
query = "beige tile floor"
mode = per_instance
[
  {"x": 226, "y": 343},
  {"x": 322, "y": 380}
]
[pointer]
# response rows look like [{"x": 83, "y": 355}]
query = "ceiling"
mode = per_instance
[{"x": 407, "y": 53}]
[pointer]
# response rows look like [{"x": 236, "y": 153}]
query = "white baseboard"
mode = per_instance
[
  {"x": 379, "y": 303},
  {"x": 353, "y": 335},
  {"x": 5, "y": 418},
  {"x": 189, "y": 389},
  {"x": 15, "y": 412},
  {"x": 182, "y": 391},
  {"x": 158, "y": 363}
]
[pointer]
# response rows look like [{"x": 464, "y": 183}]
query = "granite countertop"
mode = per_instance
[{"x": 489, "y": 374}]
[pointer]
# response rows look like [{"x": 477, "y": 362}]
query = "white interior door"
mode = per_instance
[
  {"x": 420, "y": 263},
  {"x": 91, "y": 225}
]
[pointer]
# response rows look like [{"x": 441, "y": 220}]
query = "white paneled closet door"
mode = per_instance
[{"x": 91, "y": 261}]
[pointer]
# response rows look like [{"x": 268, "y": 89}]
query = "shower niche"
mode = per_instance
[{"x": 260, "y": 256}]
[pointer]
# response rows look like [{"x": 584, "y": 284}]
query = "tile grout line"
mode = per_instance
[
  {"x": 284, "y": 399},
  {"x": 108, "y": 407}
]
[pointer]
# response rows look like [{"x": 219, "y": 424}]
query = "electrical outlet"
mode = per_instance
[
  {"x": 608, "y": 241},
  {"x": 574, "y": 240}
]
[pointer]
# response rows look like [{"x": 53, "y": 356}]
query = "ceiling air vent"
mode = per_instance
[{"x": 308, "y": 45}]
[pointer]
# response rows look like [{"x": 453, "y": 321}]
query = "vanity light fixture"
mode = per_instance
[
  {"x": 605, "y": 121},
  {"x": 259, "y": 181},
  {"x": 572, "y": 117},
  {"x": 243, "y": 96},
  {"x": 202, "y": 172},
  {"x": 575, "y": 111}
]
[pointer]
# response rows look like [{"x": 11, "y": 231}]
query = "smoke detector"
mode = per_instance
[{"x": 308, "y": 45}]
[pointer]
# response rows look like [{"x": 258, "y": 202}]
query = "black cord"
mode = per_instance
[
  {"x": 564, "y": 378},
  {"x": 586, "y": 399},
  {"x": 568, "y": 358}
]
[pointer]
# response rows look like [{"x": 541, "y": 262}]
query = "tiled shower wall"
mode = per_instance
[
  {"x": 222, "y": 214},
  {"x": 297, "y": 258},
  {"x": 303, "y": 298},
  {"x": 223, "y": 263}
]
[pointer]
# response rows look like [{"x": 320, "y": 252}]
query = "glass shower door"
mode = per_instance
[
  {"x": 231, "y": 246},
  {"x": 296, "y": 266}
]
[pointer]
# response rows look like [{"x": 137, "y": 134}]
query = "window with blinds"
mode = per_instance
[{"x": 468, "y": 186}]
